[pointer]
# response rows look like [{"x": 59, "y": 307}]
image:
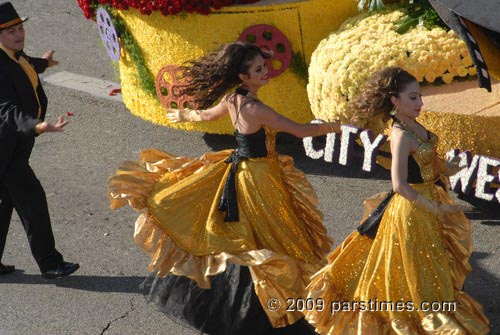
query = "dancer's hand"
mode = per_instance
[
  {"x": 174, "y": 116},
  {"x": 455, "y": 208},
  {"x": 439, "y": 209},
  {"x": 449, "y": 168},
  {"x": 183, "y": 115}
]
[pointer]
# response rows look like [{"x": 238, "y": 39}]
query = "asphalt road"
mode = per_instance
[{"x": 103, "y": 296}]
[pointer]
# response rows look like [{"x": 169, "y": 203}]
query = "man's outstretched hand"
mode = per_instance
[
  {"x": 46, "y": 127},
  {"x": 49, "y": 56}
]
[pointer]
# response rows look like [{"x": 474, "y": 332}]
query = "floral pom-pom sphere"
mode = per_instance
[{"x": 364, "y": 44}]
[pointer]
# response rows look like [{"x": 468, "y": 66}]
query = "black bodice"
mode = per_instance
[
  {"x": 251, "y": 145},
  {"x": 414, "y": 175}
]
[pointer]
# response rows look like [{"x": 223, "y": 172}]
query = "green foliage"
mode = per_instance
[
  {"x": 146, "y": 78},
  {"x": 299, "y": 66},
  {"x": 422, "y": 13},
  {"x": 373, "y": 5}
]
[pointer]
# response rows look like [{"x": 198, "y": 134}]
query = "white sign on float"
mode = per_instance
[
  {"x": 476, "y": 169},
  {"x": 346, "y": 146}
]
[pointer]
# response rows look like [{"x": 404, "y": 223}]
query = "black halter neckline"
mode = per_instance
[{"x": 242, "y": 91}]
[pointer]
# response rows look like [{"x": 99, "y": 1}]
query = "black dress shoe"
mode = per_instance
[
  {"x": 6, "y": 269},
  {"x": 62, "y": 270}
]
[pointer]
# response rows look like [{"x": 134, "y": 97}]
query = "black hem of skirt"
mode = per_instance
[{"x": 229, "y": 307}]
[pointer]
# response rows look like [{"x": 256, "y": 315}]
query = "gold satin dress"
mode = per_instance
[
  {"x": 416, "y": 258},
  {"x": 279, "y": 235}
]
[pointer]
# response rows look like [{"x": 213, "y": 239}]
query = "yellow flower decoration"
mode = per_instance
[{"x": 366, "y": 43}]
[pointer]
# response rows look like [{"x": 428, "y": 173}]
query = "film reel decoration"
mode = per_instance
[
  {"x": 270, "y": 38},
  {"x": 166, "y": 79},
  {"x": 108, "y": 34}
]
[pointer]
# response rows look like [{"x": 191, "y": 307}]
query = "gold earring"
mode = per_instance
[{"x": 394, "y": 111}]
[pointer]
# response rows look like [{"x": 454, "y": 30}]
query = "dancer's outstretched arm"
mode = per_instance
[
  {"x": 194, "y": 115},
  {"x": 268, "y": 117}
]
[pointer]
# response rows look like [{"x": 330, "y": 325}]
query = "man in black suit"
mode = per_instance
[{"x": 22, "y": 111}]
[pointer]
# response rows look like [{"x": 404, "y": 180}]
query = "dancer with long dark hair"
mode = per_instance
[
  {"x": 402, "y": 274},
  {"x": 235, "y": 233}
]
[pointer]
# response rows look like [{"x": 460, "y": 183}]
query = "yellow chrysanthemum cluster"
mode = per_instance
[{"x": 366, "y": 43}]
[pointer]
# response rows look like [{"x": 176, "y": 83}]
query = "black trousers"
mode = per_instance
[{"x": 21, "y": 190}]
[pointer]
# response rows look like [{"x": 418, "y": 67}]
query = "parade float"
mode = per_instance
[
  {"x": 323, "y": 51},
  {"x": 150, "y": 39}
]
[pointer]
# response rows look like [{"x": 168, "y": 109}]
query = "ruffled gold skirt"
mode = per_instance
[
  {"x": 279, "y": 235},
  {"x": 407, "y": 280}
]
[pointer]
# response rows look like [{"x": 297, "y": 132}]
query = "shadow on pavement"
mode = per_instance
[
  {"x": 124, "y": 284},
  {"x": 485, "y": 288},
  {"x": 486, "y": 212}
]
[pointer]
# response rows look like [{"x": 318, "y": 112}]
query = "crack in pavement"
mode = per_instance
[{"x": 132, "y": 308}]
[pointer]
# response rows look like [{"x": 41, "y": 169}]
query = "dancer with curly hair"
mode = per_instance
[
  {"x": 410, "y": 256},
  {"x": 235, "y": 233}
]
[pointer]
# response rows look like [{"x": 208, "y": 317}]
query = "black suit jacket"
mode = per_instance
[{"x": 18, "y": 107}]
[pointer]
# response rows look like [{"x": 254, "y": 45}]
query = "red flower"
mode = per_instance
[
  {"x": 166, "y": 7},
  {"x": 115, "y": 91}
]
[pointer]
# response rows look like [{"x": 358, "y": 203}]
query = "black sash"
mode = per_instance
[
  {"x": 369, "y": 227},
  {"x": 228, "y": 200},
  {"x": 249, "y": 146}
]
